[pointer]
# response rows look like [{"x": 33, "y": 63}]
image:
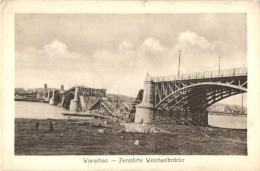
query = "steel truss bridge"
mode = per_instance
[{"x": 197, "y": 91}]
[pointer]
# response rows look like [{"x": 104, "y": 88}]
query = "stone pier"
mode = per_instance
[
  {"x": 62, "y": 101},
  {"x": 51, "y": 102},
  {"x": 145, "y": 110},
  {"x": 38, "y": 95},
  {"x": 48, "y": 96},
  {"x": 74, "y": 102}
]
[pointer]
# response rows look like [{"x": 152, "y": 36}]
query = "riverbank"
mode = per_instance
[
  {"x": 84, "y": 137},
  {"x": 28, "y": 99}
]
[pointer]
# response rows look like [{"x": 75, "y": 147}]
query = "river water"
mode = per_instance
[
  {"x": 43, "y": 111},
  {"x": 38, "y": 110},
  {"x": 228, "y": 121}
]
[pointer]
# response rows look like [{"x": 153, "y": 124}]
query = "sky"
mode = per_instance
[{"x": 115, "y": 51}]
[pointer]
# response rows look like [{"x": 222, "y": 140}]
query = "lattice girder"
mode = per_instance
[{"x": 196, "y": 95}]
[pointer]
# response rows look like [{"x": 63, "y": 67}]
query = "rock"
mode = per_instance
[
  {"x": 121, "y": 137},
  {"x": 137, "y": 142},
  {"x": 101, "y": 131},
  {"x": 146, "y": 128},
  {"x": 140, "y": 143},
  {"x": 105, "y": 122},
  {"x": 208, "y": 129},
  {"x": 122, "y": 131}
]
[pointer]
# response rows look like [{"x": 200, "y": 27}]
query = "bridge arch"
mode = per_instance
[
  {"x": 191, "y": 93},
  {"x": 199, "y": 96},
  {"x": 57, "y": 98},
  {"x": 67, "y": 98}
]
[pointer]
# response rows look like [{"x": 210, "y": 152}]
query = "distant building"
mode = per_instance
[
  {"x": 236, "y": 109},
  {"x": 20, "y": 90},
  {"x": 220, "y": 108},
  {"x": 34, "y": 90}
]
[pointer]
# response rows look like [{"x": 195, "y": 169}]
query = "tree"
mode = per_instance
[{"x": 139, "y": 97}]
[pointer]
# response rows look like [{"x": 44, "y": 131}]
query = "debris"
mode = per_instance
[
  {"x": 208, "y": 129},
  {"x": 37, "y": 126},
  {"x": 137, "y": 142},
  {"x": 122, "y": 131},
  {"x": 101, "y": 131},
  {"x": 51, "y": 126},
  {"x": 146, "y": 128}
]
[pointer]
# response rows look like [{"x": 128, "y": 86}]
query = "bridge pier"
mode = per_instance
[
  {"x": 62, "y": 101},
  {"x": 74, "y": 102},
  {"x": 48, "y": 96},
  {"x": 200, "y": 117},
  {"x": 62, "y": 98},
  {"x": 38, "y": 95},
  {"x": 51, "y": 102},
  {"x": 176, "y": 115},
  {"x": 145, "y": 110}
]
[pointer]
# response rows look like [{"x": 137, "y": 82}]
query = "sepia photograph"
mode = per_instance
[{"x": 130, "y": 84}]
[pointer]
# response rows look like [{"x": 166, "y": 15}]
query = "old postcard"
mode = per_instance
[{"x": 132, "y": 85}]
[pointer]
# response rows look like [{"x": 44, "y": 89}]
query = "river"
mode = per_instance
[
  {"x": 38, "y": 110},
  {"x": 43, "y": 111},
  {"x": 228, "y": 121}
]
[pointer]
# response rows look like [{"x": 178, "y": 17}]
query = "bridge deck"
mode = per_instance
[{"x": 203, "y": 75}]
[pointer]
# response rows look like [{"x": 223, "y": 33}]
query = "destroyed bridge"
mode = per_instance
[
  {"x": 79, "y": 98},
  {"x": 192, "y": 93}
]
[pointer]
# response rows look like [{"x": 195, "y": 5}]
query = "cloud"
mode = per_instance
[
  {"x": 125, "y": 46},
  {"x": 28, "y": 55},
  {"x": 193, "y": 39},
  {"x": 187, "y": 38},
  {"x": 125, "y": 66},
  {"x": 55, "y": 54},
  {"x": 57, "y": 49},
  {"x": 151, "y": 53},
  {"x": 152, "y": 45},
  {"x": 198, "y": 54}
]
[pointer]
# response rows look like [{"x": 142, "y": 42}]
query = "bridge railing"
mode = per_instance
[{"x": 201, "y": 75}]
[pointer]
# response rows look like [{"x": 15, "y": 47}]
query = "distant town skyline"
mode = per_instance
[{"x": 115, "y": 51}]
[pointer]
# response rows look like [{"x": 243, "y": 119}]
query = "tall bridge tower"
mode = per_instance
[{"x": 145, "y": 110}]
